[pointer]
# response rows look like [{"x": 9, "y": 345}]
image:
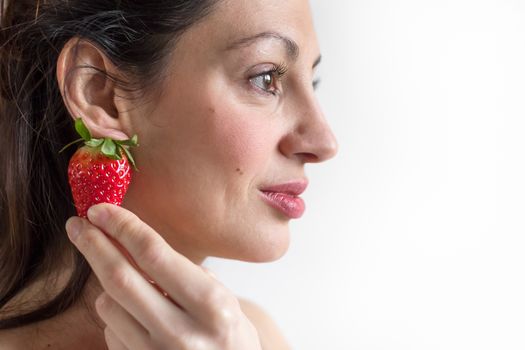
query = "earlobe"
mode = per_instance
[{"x": 87, "y": 91}]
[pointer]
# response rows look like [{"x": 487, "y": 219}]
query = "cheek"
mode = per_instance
[{"x": 240, "y": 139}]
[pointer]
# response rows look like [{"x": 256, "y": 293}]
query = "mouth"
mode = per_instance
[{"x": 285, "y": 197}]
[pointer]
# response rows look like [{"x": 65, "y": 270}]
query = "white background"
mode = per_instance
[{"x": 413, "y": 237}]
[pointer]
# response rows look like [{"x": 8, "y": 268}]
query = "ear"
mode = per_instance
[{"x": 90, "y": 94}]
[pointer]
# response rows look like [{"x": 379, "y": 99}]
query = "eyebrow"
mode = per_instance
[{"x": 292, "y": 48}]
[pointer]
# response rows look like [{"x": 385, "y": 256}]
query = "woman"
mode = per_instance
[{"x": 221, "y": 96}]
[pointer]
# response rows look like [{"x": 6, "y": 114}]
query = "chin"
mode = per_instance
[
  {"x": 270, "y": 245},
  {"x": 270, "y": 256}
]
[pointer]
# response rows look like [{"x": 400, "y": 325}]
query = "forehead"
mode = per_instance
[{"x": 233, "y": 20}]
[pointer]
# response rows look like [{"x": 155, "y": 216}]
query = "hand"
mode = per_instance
[{"x": 187, "y": 309}]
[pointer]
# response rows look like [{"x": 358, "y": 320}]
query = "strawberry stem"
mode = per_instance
[
  {"x": 69, "y": 144},
  {"x": 109, "y": 147}
]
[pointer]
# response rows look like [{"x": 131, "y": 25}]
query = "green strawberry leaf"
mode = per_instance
[
  {"x": 109, "y": 148},
  {"x": 135, "y": 140},
  {"x": 130, "y": 142},
  {"x": 130, "y": 158},
  {"x": 94, "y": 142},
  {"x": 82, "y": 130},
  {"x": 115, "y": 156}
]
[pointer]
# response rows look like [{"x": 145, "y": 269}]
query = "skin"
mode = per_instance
[{"x": 210, "y": 141}]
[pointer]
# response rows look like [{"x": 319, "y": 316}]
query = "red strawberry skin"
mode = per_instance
[{"x": 95, "y": 178}]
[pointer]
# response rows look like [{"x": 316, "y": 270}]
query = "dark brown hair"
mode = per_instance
[{"x": 35, "y": 199}]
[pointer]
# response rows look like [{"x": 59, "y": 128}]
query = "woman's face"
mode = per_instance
[{"x": 226, "y": 126}]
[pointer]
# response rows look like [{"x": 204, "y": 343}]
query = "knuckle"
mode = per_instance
[
  {"x": 214, "y": 297},
  {"x": 180, "y": 337},
  {"x": 103, "y": 303},
  {"x": 125, "y": 225},
  {"x": 223, "y": 336},
  {"x": 224, "y": 309},
  {"x": 119, "y": 278},
  {"x": 89, "y": 240},
  {"x": 151, "y": 253},
  {"x": 197, "y": 342},
  {"x": 227, "y": 319}
]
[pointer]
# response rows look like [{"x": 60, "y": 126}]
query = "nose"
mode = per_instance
[{"x": 311, "y": 140}]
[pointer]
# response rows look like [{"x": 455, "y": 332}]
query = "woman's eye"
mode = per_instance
[{"x": 266, "y": 82}]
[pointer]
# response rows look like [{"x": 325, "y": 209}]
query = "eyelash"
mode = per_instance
[{"x": 277, "y": 73}]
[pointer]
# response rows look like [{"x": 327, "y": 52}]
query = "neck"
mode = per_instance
[{"x": 181, "y": 243}]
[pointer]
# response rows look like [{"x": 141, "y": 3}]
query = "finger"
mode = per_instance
[
  {"x": 112, "y": 341},
  {"x": 154, "y": 256},
  {"x": 209, "y": 272},
  {"x": 120, "y": 280},
  {"x": 125, "y": 327}
]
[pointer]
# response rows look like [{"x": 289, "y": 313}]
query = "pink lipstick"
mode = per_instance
[{"x": 285, "y": 197}]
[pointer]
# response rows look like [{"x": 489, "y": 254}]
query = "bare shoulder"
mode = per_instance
[{"x": 270, "y": 334}]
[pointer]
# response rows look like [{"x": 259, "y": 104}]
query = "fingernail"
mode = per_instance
[{"x": 73, "y": 226}]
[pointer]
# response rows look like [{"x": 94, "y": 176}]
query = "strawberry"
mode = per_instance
[{"x": 99, "y": 171}]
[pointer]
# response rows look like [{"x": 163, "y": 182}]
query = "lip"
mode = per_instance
[
  {"x": 284, "y": 197},
  {"x": 293, "y": 188}
]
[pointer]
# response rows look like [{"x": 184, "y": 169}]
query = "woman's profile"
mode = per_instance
[{"x": 222, "y": 97}]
